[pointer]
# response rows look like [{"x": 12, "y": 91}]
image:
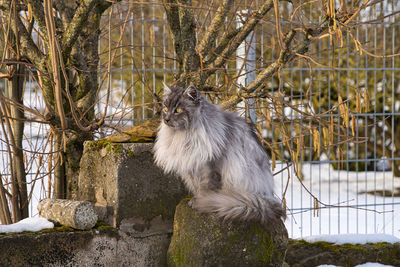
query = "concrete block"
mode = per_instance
[
  {"x": 123, "y": 183},
  {"x": 205, "y": 240}
]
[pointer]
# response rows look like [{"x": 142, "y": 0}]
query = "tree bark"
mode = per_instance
[
  {"x": 5, "y": 215},
  {"x": 59, "y": 170},
  {"x": 85, "y": 50},
  {"x": 16, "y": 95},
  {"x": 76, "y": 214}
]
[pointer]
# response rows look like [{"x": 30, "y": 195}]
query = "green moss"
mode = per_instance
[
  {"x": 141, "y": 139},
  {"x": 115, "y": 148},
  {"x": 104, "y": 143},
  {"x": 263, "y": 251},
  {"x": 343, "y": 255},
  {"x": 100, "y": 225},
  {"x": 340, "y": 248},
  {"x": 56, "y": 229},
  {"x": 99, "y": 144},
  {"x": 179, "y": 257},
  {"x": 187, "y": 198}
]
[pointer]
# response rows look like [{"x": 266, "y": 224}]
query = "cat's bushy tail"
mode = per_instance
[{"x": 231, "y": 205}]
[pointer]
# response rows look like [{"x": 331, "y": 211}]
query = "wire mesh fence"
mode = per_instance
[
  {"x": 357, "y": 181},
  {"x": 353, "y": 187}
]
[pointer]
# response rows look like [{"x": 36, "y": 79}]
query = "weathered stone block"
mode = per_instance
[
  {"x": 123, "y": 183},
  {"x": 101, "y": 246},
  {"x": 204, "y": 240}
]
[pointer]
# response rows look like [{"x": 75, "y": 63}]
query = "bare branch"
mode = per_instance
[
  {"x": 5, "y": 75},
  {"x": 66, "y": 11},
  {"x": 30, "y": 50},
  {"x": 38, "y": 14},
  {"x": 6, "y": 6},
  {"x": 74, "y": 28},
  {"x": 55, "y": 61},
  {"x": 240, "y": 35},
  {"x": 285, "y": 56},
  {"x": 191, "y": 59},
  {"x": 172, "y": 12},
  {"x": 5, "y": 211},
  {"x": 209, "y": 37}
]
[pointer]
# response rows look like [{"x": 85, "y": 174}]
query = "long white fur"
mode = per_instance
[{"x": 247, "y": 185}]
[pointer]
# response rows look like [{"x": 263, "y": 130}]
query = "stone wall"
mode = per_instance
[
  {"x": 102, "y": 246},
  {"x": 105, "y": 246}
]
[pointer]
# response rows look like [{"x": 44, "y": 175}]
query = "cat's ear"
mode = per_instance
[
  {"x": 167, "y": 89},
  {"x": 193, "y": 93}
]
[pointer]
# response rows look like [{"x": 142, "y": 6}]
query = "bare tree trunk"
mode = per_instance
[
  {"x": 5, "y": 215},
  {"x": 16, "y": 86},
  {"x": 86, "y": 56},
  {"x": 59, "y": 171},
  {"x": 73, "y": 156}
]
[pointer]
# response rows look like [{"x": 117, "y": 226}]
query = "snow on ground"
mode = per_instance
[
  {"x": 353, "y": 238},
  {"x": 359, "y": 213},
  {"x": 29, "y": 224}
]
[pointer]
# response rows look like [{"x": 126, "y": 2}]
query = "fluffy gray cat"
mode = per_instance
[{"x": 218, "y": 156}]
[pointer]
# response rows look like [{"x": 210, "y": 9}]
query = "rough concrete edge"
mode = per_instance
[
  {"x": 100, "y": 246},
  {"x": 303, "y": 253},
  {"x": 52, "y": 252}
]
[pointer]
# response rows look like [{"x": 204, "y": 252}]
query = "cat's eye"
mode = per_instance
[
  {"x": 165, "y": 109},
  {"x": 178, "y": 110}
]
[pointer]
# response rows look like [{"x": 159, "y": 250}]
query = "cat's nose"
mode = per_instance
[{"x": 167, "y": 120}]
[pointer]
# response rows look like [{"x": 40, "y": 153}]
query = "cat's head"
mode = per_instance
[{"x": 180, "y": 106}]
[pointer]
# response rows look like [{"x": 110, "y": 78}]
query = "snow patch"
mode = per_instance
[
  {"x": 373, "y": 264},
  {"x": 353, "y": 238},
  {"x": 29, "y": 224}
]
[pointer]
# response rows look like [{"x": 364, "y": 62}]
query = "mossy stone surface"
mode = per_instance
[
  {"x": 100, "y": 246},
  {"x": 302, "y": 253},
  {"x": 204, "y": 240},
  {"x": 57, "y": 247}
]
